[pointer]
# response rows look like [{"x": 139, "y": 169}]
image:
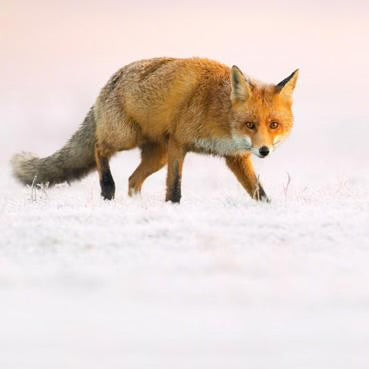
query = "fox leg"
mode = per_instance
[
  {"x": 243, "y": 169},
  {"x": 176, "y": 155},
  {"x": 153, "y": 158},
  {"x": 106, "y": 179}
]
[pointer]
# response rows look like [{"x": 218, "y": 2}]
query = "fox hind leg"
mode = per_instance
[
  {"x": 176, "y": 155},
  {"x": 154, "y": 156},
  {"x": 106, "y": 179}
]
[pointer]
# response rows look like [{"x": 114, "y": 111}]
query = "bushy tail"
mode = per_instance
[{"x": 74, "y": 161}]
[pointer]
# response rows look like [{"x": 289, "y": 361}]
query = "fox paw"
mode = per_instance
[
  {"x": 266, "y": 199},
  {"x": 107, "y": 190}
]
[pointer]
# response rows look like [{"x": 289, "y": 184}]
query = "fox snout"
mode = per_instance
[{"x": 264, "y": 151}]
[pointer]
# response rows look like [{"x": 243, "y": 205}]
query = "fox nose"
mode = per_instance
[{"x": 264, "y": 151}]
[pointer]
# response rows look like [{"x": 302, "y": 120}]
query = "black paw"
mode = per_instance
[
  {"x": 108, "y": 193},
  {"x": 265, "y": 199},
  {"x": 173, "y": 200},
  {"x": 174, "y": 196},
  {"x": 107, "y": 188}
]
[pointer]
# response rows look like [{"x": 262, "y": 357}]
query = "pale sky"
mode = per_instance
[
  {"x": 56, "y": 55},
  {"x": 264, "y": 38}
]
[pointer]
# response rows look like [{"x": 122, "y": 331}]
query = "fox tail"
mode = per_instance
[{"x": 72, "y": 162}]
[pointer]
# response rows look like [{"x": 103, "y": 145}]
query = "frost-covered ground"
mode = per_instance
[{"x": 217, "y": 282}]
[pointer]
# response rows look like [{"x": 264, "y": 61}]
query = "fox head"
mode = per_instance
[{"x": 261, "y": 114}]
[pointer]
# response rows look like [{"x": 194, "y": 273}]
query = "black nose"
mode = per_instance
[{"x": 264, "y": 151}]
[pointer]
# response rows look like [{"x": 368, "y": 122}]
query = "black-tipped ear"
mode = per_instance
[
  {"x": 287, "y": 86},
  {"x": 241, "y": 90}
]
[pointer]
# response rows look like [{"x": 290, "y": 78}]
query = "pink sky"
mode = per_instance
[
  {"x": 268, "y": 41},
  {"x": 55, "y": 56}
]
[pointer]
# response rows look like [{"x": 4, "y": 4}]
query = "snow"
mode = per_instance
[{"x": 217, "y": 281}]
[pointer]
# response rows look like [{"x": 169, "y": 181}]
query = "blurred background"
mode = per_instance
[{"x": 56, "y": 55}]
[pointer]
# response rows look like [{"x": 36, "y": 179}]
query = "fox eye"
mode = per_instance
[
  {"x": 274, "y": 125},
  {"x": 250, "y": 125}
]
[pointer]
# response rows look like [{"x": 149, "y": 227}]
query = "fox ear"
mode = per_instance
[
  {"x": 287, "y": 86},
  {"x": 241, "y": 89}
]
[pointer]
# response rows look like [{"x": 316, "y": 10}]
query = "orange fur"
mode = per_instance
[
  {"x": 168, "y": 107},
  {"x": 172, "y": 106}
]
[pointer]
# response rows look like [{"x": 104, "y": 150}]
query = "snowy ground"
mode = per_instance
[{"x": 217, "y": 282}]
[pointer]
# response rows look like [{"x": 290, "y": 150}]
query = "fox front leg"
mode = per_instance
[
  {"x": 243, "y": 169},
  {"x": 176, "y": 155}
]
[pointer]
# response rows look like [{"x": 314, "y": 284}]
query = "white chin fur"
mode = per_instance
[{"x": 225, "y": 146}]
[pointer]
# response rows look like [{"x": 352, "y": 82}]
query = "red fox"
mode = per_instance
[{"x": 168, "y": 107}]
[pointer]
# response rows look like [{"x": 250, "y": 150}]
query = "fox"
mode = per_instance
[{"x": 168, "y": 107}]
